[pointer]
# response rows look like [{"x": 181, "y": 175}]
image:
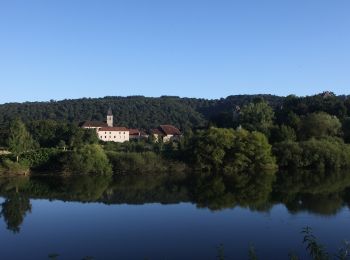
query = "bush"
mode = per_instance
[
  {"x": 251, "y": 152},
  {"x": 147, "y": 162},
  {"x": 330, "y": 153},
  {"x": 10, "y": 167},
  {"x": 231, "y": 151},
  {"x": 89, "y": 158},
  {"x": 319, "y": 125},
  {"x": 43, "y": 159}
]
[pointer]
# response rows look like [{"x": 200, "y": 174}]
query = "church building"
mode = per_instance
[{"x": 106, "y": 131}]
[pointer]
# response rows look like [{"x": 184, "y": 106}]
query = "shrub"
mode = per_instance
[
  {"x": 147, "y": 162},
  {"x": 10, "y": 167},
  {"x": 43, "y": 159},
  {"x": 89, "y": 158},
  {"x": 330, "y": 153},
  {"x": 231, "y": 151}
]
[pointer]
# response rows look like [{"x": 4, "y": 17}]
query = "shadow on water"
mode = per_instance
[{"x": 323, "y": 193}]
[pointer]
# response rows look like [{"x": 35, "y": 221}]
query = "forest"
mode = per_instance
[{"x": 133, "y": 111}]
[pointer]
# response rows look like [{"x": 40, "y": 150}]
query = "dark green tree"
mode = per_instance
[
  {"x": 346, "y": 129},
  {"x": 282, "y": 133}
]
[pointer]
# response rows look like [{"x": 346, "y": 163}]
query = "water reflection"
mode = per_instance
[
  {"x": 17, "y": 204},
  {"x": 323, "y": 193},
  {"x": 319, "y": 193}
]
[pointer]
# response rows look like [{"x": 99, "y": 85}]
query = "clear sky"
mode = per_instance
[{"x": 56, "y": 49}]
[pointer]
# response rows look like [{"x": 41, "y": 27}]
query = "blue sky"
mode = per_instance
[{"x": 196, "y": 48}]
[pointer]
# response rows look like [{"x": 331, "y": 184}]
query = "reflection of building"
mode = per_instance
[
  {"x": 106, "y": 130},
  {"x": 166, "y": 133}
]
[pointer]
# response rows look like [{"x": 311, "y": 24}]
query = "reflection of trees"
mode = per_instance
[
  {"x": 86, "y": 188},
  {"x": 142, "y": 189},
  {"x": 248, "y": 190},
  {"x": 211, "y": 193},
  {"x": 312, "y": 181},
  {"x": 319, "y": 192},
  {"x": 14, "y": 184},
  {"x": 14, "y": 209},
  {"x": 323, "y": 204}
]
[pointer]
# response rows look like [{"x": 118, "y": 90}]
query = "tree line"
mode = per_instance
[{"x": 295, "y": 132}]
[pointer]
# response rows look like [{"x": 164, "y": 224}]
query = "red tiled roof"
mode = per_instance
[
  {"x": 94, "y": 124},
  {"x": 143, "y": 133},
  {"x": 156, "y": 131},
  {"x": 111, "y": 129},
  {"x": 134, "y": 132},
  {"x": 170, "y": 130}
]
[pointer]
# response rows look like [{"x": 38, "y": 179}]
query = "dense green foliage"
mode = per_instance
[
  {"x": 10, "y": 167},
  {"x": 257, "y": 116},
  {"x": 49, "y": 133},
  {"x": 141, "y": 163},
  {"x": 233, "y": 151},
  {"x": 134, "y": 111},
  {"x": 316, "y": 154},
  {"x": 43, "y": 159},
  {"x": 87, "y": 159},
  {"x": 19, "y": 140},
  {"x": 319, "y": 125},
  {"x": 306, "y": 132},
  {"x": 346, "y": 129}
]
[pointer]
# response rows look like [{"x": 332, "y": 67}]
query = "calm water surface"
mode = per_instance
[{"x": 139, "y": 218}]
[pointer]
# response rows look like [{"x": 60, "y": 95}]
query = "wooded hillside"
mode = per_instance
[{"x": 133, "y": 111}]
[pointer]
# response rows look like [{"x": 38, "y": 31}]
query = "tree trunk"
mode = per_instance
[{"x": 17, "y": 157}]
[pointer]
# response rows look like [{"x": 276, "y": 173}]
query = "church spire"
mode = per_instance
[
  {"x": 109, "y": 113},
  {"x": 110, "y": 118}
]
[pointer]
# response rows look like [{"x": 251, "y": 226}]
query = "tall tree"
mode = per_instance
[
  {"x": 20, "y": 140},
  {"x": 257, "y": 116}
]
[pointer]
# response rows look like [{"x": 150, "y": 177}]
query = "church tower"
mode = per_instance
[{"x": 110, "y": 118}]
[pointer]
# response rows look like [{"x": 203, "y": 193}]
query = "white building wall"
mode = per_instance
[
  {"x": 114, "y": 136},
  {"x": 167, "y": 138}
]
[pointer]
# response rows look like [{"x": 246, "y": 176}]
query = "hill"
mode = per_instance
[{"x": 133, "y": 111}]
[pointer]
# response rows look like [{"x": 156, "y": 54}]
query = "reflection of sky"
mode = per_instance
[{"x": 179, "y": 231}]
